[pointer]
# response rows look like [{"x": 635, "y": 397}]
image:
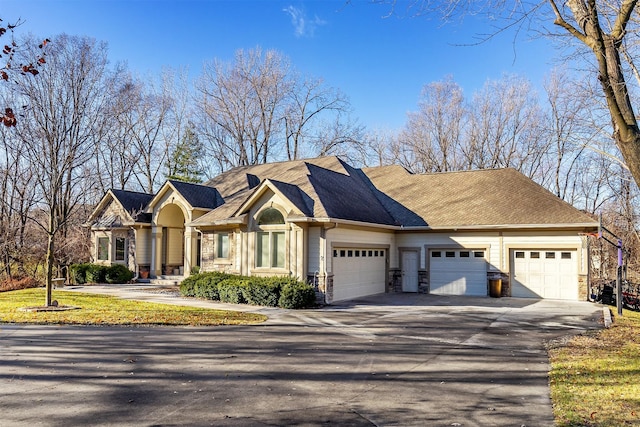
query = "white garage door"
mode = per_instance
[
  {"x": 457, "y": 272},
  {"x": 545, "y": 273},
  {"x": 358, "y": 272}
]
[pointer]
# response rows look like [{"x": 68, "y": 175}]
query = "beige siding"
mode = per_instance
[
  {"x": 174, "y": 249},
  {"x": 313, "y": 244},
  {"x": 143, "y": 246}
]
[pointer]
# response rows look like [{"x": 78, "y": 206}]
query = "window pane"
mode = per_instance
[
  {"x": 565, "y": 255},
  {"x": 450, "y": 254},
  {"x": 262, "y": 249},
  {"x": 223, "y": 245},
  {"x": 519, "y": 254},
  {"x": 478, "y": 254},
  {"x": 436, "y": 254},
  {"x": 535, "y": 255},
  {"x": 464, "y": 254},
  {"x": 278, "y": 250},
  {"x": 120, "y": 248},
  {"x": 271, "y": 216},
  {"x": 103, "y": 248},
  {"x": 549, "y": 255}
]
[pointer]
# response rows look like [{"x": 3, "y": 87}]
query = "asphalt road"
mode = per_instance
[{"x": 391, "y": 360}]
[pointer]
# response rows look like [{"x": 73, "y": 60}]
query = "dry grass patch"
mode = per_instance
[
  {"x": 595, "y": 378},
  {"x": 107, "y": 310}
]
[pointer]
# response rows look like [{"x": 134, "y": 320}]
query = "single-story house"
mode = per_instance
[{"x": 354, "y": 232}]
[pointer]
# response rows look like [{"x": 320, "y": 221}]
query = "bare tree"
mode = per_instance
[
  {"x": 242, "y": 105},
  {"x": 67, "y": 105},
  {"x": 435, "y": 132},
  {"x": 600, "y": 28},
  {"x": 258, "y": 108}
]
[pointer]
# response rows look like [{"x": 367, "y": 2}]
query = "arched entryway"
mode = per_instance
[{"x": 169, "y": 238}]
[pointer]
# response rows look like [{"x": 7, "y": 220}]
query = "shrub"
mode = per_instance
[
  {"x": 297, "y": 295},
  {"x": 118, "y": 273},
  {"x": 96, "y": 273},
  {"x": 79, "y": 273},
  {"x": 285, "y": 292},
  {"x": 231, "y": 290},
  {"x": 18, "y": 283},
  {"x": 262, "y": 292},
  {"x": 204, "y": 285}
]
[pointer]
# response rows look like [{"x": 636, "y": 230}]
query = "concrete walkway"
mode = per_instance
[{"x": 387, "y": 360}]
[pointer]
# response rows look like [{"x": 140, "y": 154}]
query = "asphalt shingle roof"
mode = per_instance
[
  {"x": 198, "y": 195},
  {"x": 134, "y": 203},
  {"x": 483, "y": 197}
]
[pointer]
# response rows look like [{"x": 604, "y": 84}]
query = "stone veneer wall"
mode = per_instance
[
  {"x": 207, "y": 253},
  {"x": 395, "y": 281},
  {"x": 583, "y": 287}
]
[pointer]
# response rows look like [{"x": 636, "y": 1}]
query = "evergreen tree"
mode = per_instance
[{"x": 183, "y": 164}]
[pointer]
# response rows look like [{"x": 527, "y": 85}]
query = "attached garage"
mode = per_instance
[
  {"x": 544, "y": 273},
  {"x": 358, "y": 272},
  {"x": 458, "y": 272}
]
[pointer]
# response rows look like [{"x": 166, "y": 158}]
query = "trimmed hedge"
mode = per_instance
[
  {"x": 118, "y": 273},
  {"x": 285, "y": 292},
  {"x": 96, "y": 273},
  {"x": 79, "y": 273}
]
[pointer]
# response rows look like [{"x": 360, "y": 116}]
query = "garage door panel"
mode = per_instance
[
  {"x": 545, "y": 274},
  {"x": 458, "y": 272},
  {"x": 358, "y": 272}
]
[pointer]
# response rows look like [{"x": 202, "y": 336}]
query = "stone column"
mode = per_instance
[
  {"x": 156, "y": 251},
  {"x": 190, "y": 249}
]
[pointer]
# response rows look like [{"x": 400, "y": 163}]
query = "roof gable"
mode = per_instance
[{"x": 130, "y": 204}]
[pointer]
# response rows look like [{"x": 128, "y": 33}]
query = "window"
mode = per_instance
[
  {"x": 271, "y": 216},
  {"x": 103, "y": 248},
  {"x": 565, "y": 255},
  {"x": 450, "y": 254},
  {"x": 478, "y": 254},
  {"x": 270, "y": 249},
  {"x": 223, "y": 245},
  {"x": 464, "y": 254},
  {"x": 519, "y": 254},
  {"x": 120, "y": 248},
  {"x": 349, "y": 254},
  {"x": 436, "y": 254},
  {"x": 535, "y": 255},
  {"x": 549, "y": 255}
]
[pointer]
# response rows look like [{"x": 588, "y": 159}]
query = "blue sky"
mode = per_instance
[{"x": 380, "y": 62}]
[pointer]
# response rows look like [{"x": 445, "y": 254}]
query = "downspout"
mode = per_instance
[{"x": 323, "y": 239}]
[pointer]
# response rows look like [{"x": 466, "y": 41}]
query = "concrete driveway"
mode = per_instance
[{"x": 389, "y": 360}]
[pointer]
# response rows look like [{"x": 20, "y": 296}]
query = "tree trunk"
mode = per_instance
[{"x": 50, "y": 261}]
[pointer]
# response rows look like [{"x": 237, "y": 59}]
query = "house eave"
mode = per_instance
[
  {"x": 236, "y": 220},
  {"x": 329, "y": 220},
  {"x": 561, "y": 226}
]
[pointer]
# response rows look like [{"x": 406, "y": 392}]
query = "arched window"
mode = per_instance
[
  {"x": 271, "y": 216},
  {"x": 270, "y": 241}
]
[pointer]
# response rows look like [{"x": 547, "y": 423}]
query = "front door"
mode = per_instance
[{"x": 409, "y": 271}]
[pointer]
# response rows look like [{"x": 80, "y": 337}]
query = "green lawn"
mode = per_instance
[
  {"x": 107, "y": 310},
  {"x": 595, "y": 378}
]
